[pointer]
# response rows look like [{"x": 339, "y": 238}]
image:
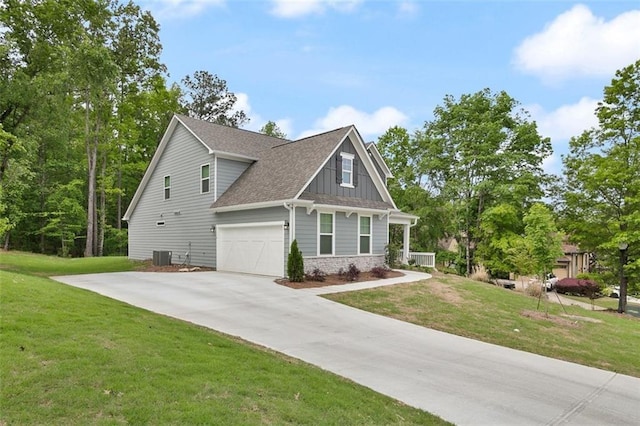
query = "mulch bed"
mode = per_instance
[
  {"x": 336, "y": 279},
  {"x": 148, "y": 266}
]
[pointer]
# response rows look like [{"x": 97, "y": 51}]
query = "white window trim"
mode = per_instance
[
  {"x": 351, "y": 157},
  {"x": 370, "y": 235},
  {"x": 165, "y": 187},
  {"x": 207, "y": 178},
  {"x": 333, "y": 233}
]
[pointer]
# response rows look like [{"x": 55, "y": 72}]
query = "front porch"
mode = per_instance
[{"x": 407, "y": 221}]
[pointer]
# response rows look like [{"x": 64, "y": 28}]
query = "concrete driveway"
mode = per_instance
[{"x": 464, "y": 381}]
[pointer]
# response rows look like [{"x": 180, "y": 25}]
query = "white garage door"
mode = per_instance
[{"x": 253, "y": 248}]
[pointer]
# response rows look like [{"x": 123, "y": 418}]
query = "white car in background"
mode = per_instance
[
  {"x": 550, "y": 282},
  {"x": 615, "y": 292}
]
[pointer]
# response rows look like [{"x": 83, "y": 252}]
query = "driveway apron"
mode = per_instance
[{"x": 462, "y": 380}]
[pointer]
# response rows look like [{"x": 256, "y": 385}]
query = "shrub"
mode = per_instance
[
  {"x": 295, "y": 264},
  {"x": 352, "y": 273},
  {"x": 380, "y": 271},
  {"x": 316, "y": 275},
  {"x": 578, "y": 286},
  {"x": 534, "y": 289}
]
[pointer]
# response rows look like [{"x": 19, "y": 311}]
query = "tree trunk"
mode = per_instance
[
  {"x": 92, "y": 153},
  {"x": 103, "y": 204},
  {"x": 6, "y": 240}
]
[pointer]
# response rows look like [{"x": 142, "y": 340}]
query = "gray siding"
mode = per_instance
[
  {"x": 325, "y": 181},
  {"x": 380, "y": 234},
  {"x": 306, "y": 231},
  {"x": 378, "y": 168},
  {"x": 271, "y": 214},
  {"x": 228, "y": 171},
  {"x": 346, "y": 233},
  {"x": 186, "y": 214}
]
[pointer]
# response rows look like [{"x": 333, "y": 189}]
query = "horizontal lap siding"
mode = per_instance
[
  {"x": 379, "y": 229},
  {"x": 186, "y": 214},
  {"x": 228, "y": 172},
  {"x": 306, "y": 233},
  {"x": 346, "y": 233}
]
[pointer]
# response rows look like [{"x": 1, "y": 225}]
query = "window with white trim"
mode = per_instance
[
  {"x": 167, "y": 187},
  {"x": 204, "y": 178},
  {"x": 364, "y": 235},
  {"x": 325, "y": 233},
  {"x": 347, "y": 169}
]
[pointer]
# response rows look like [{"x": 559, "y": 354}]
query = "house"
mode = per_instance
[
  {"x": 574, "y": 261},
  {"x": 235, "y": 200}
]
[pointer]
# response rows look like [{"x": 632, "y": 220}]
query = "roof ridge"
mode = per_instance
[{"x": 232, "y": 128}]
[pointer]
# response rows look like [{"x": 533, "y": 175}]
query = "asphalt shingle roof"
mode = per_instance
[
  {"x": 230, "y": 139},
  {"x": 282, "y": 171}
]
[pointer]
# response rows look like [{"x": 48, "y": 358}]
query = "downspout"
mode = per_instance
[{"x": 292, "y": 221}]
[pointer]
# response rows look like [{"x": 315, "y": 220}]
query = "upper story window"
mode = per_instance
[
  {"x": 325, "y": 233},
  {"x": 204, "y": 178},
  {"x": 365, "y": 235},
  {"x": 167, "y": 187},
  {"x": 347, "y": 169}
]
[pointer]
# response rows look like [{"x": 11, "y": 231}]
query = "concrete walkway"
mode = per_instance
[{"x": 464, "y": 381}]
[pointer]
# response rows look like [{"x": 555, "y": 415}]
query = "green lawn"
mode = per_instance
[
  {"x": 69, "y": 356},
  {"x": 492, "y": 314},
  {"x": 37, "y": 264}
]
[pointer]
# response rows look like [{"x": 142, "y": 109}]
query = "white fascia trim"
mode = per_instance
[
  {"x": 327, "y": 208},
  {"x": 250, "y": 224},
  {"x": 383, "y": 165},
  {"x": 251, "y": 206},
  {"x": 232, "y": 156}
]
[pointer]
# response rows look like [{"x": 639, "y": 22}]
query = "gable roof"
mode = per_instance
[
  {"x": 282, "y": 171},
  {"x": 221, "y": 140},
  {"x": 373, "y": 149},
  {"x": 234, "y": 142}
]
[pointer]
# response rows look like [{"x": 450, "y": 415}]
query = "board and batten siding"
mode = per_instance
[
  {"x": 325, "y": 180},
  {"x": 270, "y": 214},
  {"x": 186, "y": 215},
  {"x": 228, "y": 172},
  {"x": 346, "y": 233}
]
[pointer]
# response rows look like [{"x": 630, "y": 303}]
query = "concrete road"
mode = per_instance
[{"x": 464, "y": 381}]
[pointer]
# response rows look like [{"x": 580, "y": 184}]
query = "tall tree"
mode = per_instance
[
  {"x": 543, "y": 239},
  {"x": 602, "y": 202},
  {"x": 207, "y": 98},
  {"x": 271, "y": 129},
  {"x": 478, "y": 151}
]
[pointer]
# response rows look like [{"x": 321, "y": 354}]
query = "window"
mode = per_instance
[
  {"x": 365, "y": 234},
  {"x": 204, "y": 178},
  {"x": 167, "y": 187},
  {"x": 347, "y": 169},
  {"x": 325, "y": 228}
]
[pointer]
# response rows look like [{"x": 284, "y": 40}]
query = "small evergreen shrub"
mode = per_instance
[
  {"x": 295, "y": 264},
  {"x": 380, "y": 271},
  {"x": 316, "y": 275}
]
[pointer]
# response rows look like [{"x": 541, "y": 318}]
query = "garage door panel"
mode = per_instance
[{"x": 253, "y": 249}]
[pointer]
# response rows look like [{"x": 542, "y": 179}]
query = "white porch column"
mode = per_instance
[{"x": 405, "y": 243}]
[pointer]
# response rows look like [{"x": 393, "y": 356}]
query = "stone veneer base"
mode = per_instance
[{"x": 331, "y": 265}]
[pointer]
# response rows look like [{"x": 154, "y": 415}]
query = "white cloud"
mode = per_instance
[
  {"x": 561, "y": 125},
  {"x": 577, "y": 43},
  {"x": 408, "y": 8},
  {"x": 566, "y": 121},
  {"x": 368, "y": 125},
  {"x": 256, "y": 121},
  {"x": 299, "y": 8},
  {"x": 168, "y": 9}
]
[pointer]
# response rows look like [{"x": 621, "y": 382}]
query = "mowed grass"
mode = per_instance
[
  {"x": 69, "y": 356},
  {"x": 492, "y": 314},
  {"x": 37, "y": 264}
]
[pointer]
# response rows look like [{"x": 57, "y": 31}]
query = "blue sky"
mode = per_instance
[{"x": 314, "y": 65}]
